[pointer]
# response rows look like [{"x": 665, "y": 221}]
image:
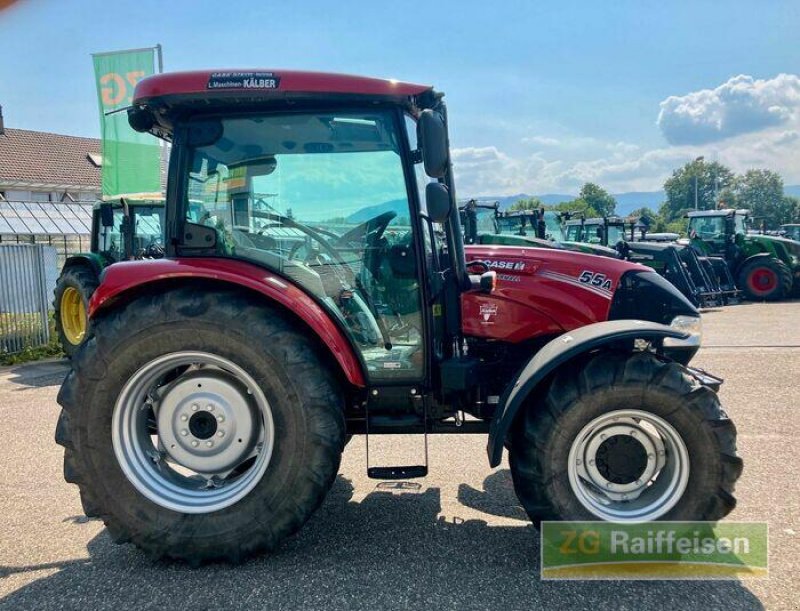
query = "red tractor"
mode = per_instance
[{"x": 316, "y": 286}]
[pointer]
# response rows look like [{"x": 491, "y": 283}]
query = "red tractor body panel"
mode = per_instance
[
  {"x": 269, "y": 82},
  {"x": 540, "y": 292},
  {"x": 128, "y": 275}
]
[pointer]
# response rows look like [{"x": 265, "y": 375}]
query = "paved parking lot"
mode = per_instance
[{"x": 457, "y": 539}]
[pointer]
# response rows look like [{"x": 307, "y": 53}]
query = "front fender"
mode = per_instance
[{"x": 554, "y": 354}]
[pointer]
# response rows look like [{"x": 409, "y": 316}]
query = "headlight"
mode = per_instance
[{"x": 688, "y": 324}]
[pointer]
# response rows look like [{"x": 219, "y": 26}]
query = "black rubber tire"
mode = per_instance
[
  {"x": 773, "y": 265},
  {"x": 582, "y": 391},
  {"x": 305, "y": 399},
  {"x": 85, "y": 281}
]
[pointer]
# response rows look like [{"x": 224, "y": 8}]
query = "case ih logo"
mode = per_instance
[{"x": 516, "y": 266}]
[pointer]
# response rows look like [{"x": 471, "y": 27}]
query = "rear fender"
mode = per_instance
[
  {"x": 85, "y": 259},
  {"x": 123, "y": 281},
  {"x": 756, "y": 257},
  {"x": 556, "y": 353}
]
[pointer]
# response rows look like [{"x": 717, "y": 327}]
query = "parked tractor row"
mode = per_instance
[
  {"x": 720, "y": 261},
  {"x": 297, "y": 304}
]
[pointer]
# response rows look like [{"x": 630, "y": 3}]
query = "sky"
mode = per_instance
[{"x": 542, "y": 96}]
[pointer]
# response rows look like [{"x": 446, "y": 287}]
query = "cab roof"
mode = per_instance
[
  {"x": 721, "y": 212},
  {"x": 209, "y": 84},
  {"x": 160, "y": 100}
]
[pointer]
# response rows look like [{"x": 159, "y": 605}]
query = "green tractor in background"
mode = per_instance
[
  {"x": 484, "y": 223},
  {"x": 705, "y": 282},
  {"x": 791, "y": 231},
  {"x": 120, "y": 231},
  {"x": 766, "y": 268}
]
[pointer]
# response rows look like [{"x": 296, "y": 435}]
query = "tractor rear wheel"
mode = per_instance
[
  {"x": 765, "y": 279},
  {"x": 625, "y": 438},
  {"x": 73, "y": 290},
  {"x": 200, "y": 425}
]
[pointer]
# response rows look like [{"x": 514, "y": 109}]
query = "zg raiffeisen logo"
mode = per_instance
[{"x": 654, "y": 550}]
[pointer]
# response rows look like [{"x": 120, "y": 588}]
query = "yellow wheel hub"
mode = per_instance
[{"x": 73, "y": 315}]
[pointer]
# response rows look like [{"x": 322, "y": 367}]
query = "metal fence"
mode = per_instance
[{"x": 28, "y": 274}]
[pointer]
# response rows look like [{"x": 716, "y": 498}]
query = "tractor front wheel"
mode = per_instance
[
  {"x": 765, "y": 279},
  {"x": 625, "y": 438},
  {"x": 200, "y": 425},
  {"x": 73, "y": 290}
]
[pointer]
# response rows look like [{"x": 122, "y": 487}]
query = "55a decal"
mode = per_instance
[{"x": 595, "y": 279}]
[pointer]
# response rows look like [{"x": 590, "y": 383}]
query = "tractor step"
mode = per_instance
[
  {"x": 397, "y": 423},
  {"x": 405, "y": 472}
]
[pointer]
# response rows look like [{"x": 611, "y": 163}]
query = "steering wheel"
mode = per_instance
[{"x": 370, "y": 231}]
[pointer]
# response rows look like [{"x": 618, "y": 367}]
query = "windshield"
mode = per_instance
[
  {"x": 518, "y": 225},
  {"x": 740, "y": 224},
  {"x": 574, "y": 233},
  {"x": 707, "y": 227},
  {"x": 148, "y": 236},
  {"x": 616, "y": 233},
  {"x": 321, "y": 198},
  {"x": 552, "y": 222}
]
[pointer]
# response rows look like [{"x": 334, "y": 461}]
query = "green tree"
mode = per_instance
[
  {"x": 708, "y": 178},
  {"x": 761, "y": 192},
  {"x": 594, "y": 196},
  {"x": 534, "y": 203}
]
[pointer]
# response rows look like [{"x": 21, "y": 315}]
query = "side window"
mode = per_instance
[
  {"x": 110, "y": 239},
  {"x": 322, "y": 200}
]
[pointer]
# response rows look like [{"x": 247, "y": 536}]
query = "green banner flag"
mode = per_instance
[{"x": 131, "y": 160}]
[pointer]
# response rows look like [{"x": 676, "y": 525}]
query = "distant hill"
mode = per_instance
[{"x": 626, "y": 202}]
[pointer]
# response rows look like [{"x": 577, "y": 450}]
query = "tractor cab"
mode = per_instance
[
  {"x": 127, "y": 229},
  {"x": 718, "y": 230}
]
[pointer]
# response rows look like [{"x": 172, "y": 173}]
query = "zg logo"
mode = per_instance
[
  {"x": 584, "y": 542},
  {"x": 114, "y": 88}
]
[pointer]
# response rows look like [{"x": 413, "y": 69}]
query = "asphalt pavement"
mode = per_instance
[{"x": 457, "y": 539}]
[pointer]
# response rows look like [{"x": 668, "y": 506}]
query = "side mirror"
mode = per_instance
[
  {"x": 432, "y": 137},
  {"x": 437, "y": 200},
  {"x": 106, "y": 214}
]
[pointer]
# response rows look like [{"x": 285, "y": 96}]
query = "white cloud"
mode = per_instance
[
  {"x": 542, "y": 140},
  {"x": 739, "y": 106}
]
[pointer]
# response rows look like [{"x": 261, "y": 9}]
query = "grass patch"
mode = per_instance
[{"x": 25, "y": 327}]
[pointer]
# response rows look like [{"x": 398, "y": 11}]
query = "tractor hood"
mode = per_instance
[{"x": 544, "y": 292}]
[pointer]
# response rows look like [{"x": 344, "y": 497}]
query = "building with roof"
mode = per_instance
[{"x": 48, "y": 184}]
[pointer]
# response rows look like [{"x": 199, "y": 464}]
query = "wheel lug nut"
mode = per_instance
[
  {"x": 184, "y": 432},
  {"x": 220, "y": 418},
  {"x": 591, "y": 463},
  {"x": 650, "y": 457},
  {"x": 184, "y": 417},
  {"x": 602, "y": 435},
  {"x": 221, "y": 434},
  {"x": 210, "y": 407},
  {"x": 210, "y": 443},
  {"x": 195, "y": 443},
  {"x": 195, "y": 407},
  {"x": 609, "y": 485},
  {"x": 633, "y": 432},
  {"x": 578, "y": 462}
]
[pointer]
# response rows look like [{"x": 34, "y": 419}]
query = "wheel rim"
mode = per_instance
[
  {"x": 73, "y": 315},
  {"x": 192, "y": 432},
  {"x": 762, "y": 281},
  {"x": 628, "y": 466}
]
